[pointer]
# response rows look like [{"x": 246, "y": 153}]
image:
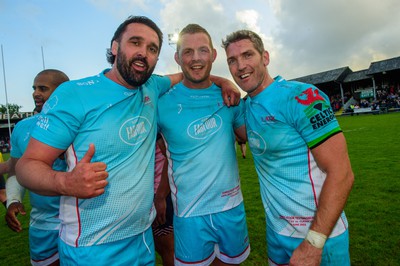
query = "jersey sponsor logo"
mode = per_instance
[
  {"x": 50, "y": 104},
  {"x": 135, "y": 130},
  {"x": 42, "y": 122},
  {"x": 232, "y": 192},
  {"x": 257, "y": 144},
  {"x": 318, "y": 110},
  {"x": 86, "y": 83},
  {"x": 204, "y": 127},
  {"x": 268, "y": 119},
  {"x": 322, "y": 118},
  {"x": 27, "y": 135},
  {"x": 297, "y": 221},
  {"x": 199, "y": 96},
  {"x": 147, "y": 99}
]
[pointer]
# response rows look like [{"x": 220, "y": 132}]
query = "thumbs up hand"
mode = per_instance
[{"x": 87, "y": 179}]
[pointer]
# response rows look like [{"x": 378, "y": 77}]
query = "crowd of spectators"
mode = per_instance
[
  {"x": 386, "y": 98},
  {"x": 4, "y": 144},
  {"x": 336, "y": 102}
]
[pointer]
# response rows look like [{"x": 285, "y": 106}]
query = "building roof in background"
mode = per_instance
[
  {"x": 345, "y": 74},
  {"x": 356, "y": 76},
  {"x": 337, "y": 75},
  {"x": 384, "y": 65}
]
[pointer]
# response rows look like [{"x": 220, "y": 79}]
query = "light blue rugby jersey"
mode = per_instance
[
  {"x": 121, "y": 123},
  {"x": 199, "y": 131},
  {"x": 44, "y": 212},
  {"x": 283, "y": 122}
]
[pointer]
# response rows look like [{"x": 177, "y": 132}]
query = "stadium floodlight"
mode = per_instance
[{"x": 173, "y": 38}]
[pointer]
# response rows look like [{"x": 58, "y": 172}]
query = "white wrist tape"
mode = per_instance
[
  {"x": 15, "y": 192},
  {"x": 316, "y": 239}
]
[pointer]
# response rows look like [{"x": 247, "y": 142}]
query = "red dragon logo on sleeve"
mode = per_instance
[{"x": 309, "y": 96}]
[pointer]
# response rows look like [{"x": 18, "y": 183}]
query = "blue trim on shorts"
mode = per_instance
[
  {"x": 43, "y": 244},
  {"x": 223, "y": 235},
  {"x": 280, "y": 249},
  {"x": 134, "y": 251}
]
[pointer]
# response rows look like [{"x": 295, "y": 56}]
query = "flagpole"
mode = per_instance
[
  {"x": 43, "y": 58},
  {"x": 5, "y": 89}
]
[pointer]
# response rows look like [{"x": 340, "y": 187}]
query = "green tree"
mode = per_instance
[{"x": 12, "y": 108}]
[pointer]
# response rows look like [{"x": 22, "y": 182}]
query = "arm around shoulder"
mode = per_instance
[
  {"x": 230, "y": 92},
  {"x": 175, "y": 78}
]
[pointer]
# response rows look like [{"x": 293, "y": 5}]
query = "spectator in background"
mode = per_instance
[
  {"x": 4, "y": 168},
  {"x": 44, "y": 222}
]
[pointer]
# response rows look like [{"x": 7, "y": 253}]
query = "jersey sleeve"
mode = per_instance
[
  {"x": 163, "y": 84},
  {"x": 312, "y": 115},
  {"x": 239, "y": 115},
  {"x": 60, "y": 119},
  {"x": 16, "y": 152}
]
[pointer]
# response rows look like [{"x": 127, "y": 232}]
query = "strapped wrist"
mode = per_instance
[
  {"x": 15, "y": 192},
  {"x": 316, "y": 239},
  {"x": 9, "y": 202}
]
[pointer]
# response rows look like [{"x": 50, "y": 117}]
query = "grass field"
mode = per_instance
[{"x": 372, "y": 209}]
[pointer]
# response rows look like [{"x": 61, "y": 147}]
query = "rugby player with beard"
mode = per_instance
[{"x": 106, "y": 125}]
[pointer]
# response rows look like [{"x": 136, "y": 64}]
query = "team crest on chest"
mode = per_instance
[{"x": 257, "y": 144}]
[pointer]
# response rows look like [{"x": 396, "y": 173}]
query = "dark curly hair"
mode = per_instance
[{"x": 121, "y": 29}]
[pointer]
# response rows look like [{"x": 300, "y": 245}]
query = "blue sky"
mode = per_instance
[{"x": 303, "y": 37}]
